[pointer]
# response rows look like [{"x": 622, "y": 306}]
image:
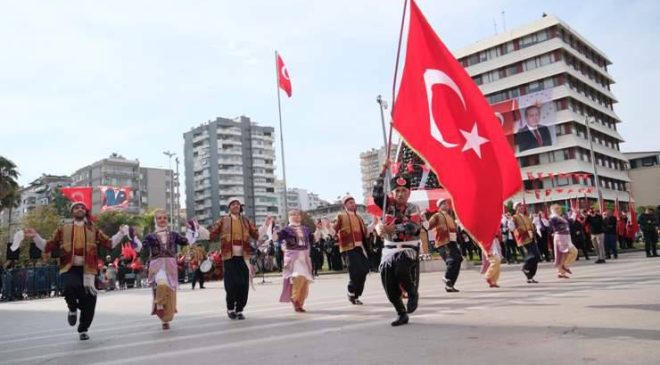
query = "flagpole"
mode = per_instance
[{"x": 279, "y": 113}]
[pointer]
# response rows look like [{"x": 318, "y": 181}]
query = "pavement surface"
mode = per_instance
[{"x": 605, "y": 314}]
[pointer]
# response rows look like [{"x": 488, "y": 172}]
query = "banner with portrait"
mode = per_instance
[{"x": 114, "y": 198}]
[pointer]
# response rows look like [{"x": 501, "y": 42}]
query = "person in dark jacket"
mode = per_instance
[
  {"x": 609, "y": 231},
  {"x": 648, "y": 222},
  {"x": 578, "y": 236},
  {"x": 595, "y": 221}
]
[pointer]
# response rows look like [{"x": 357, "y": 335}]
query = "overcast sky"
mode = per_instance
[{"x": 82, "y": 79}]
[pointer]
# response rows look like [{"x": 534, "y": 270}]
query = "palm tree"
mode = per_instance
[{"x": 8, "y": 176}]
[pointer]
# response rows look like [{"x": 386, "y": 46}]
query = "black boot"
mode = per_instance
[
  {"x": 413, "y": 300},
  {"x": 72, "y": 318},
  {"x": 403, "y": 319}
]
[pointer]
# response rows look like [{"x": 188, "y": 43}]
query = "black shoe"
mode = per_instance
[
  {"x": 413, "y": 300},
  {"x": 532, "y": 281},
  {"x": 232, "y": 315},
  {"x": 351, "y": 298},
  {"x": 72, "y": 318},
  {"x": 202, "y": 287},
  {"x": 451, "y": 289},
  {"x": 648, "y": 255},
  {"x": 403, "y": 319},
  {"x": 357, "y": 302},
  {"x": 240, "y": 316},
  {"x": 616, "y": 257},
  {"x": 84, "y": 336},
  {"x": 599, "y": 261}
]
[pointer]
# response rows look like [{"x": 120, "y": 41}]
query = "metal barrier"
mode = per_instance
[{"x": 29, "y": 283}]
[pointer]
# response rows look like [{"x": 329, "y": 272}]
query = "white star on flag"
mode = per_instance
[{"x": 473, "y": 140}]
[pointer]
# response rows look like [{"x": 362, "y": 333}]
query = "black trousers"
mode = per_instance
[
  {"x": 452, "y": 256},
  {"x": 532, "y": 258},
  {"x": 542, "y": 244},
  {"x": 396, "y": 276},
  {"x": 336, "y": 263},
  {"x": 237, "y": 283},
  {"x": 511, "y": 251},
  {"x": 198, "y": 276},
  {"x": 650, "y": 243},
  {"x": 77, "y": 298},
  {"x": 358, "y": 268}
]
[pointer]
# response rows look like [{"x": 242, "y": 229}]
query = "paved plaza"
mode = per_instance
[{"x": 606, "y": 314}]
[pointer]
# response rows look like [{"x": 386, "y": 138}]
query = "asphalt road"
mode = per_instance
[{"x": 605, "y": 314}]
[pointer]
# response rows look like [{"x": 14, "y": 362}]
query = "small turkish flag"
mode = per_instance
[
  {"x": 283, "y": 79},
  {"x": 441, "y": 113}
]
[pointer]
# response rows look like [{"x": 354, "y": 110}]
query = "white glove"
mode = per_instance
[
  {"x": 124, "y": 229},
  {"x": 88, "y": 284},
  {"x": 18, "y": 238}
]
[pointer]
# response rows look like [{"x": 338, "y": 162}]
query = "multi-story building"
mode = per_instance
[
  {"x": 38, "y": 193},
  {"x": 645, "y": 177},
  {"x": 545, "y": 71},
  {"x": 225, "y": 158},
  {"x": 297, "y": 199},
  {"x": 371, "y": 163},
  {"x": 151, "y": 187}
]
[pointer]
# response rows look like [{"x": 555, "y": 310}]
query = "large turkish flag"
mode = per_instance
[{"x": 441, "y": 114}]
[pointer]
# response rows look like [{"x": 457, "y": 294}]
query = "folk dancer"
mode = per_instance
[
  {"x": 79, "y": 242},
  {"x": 162, "y": 269},
  {"x": 524, "y": 234},
  {"x": 401, "y": 235},
  {"x": 565, "y": 251},
  {"x": 353, "y": 237},
  {"x": 446, "y": 240},
  {"x": 234, "y": 231}
]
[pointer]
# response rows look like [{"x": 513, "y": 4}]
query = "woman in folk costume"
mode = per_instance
[
  {"x": 491, "y": 261},
  {"x": 297, "y": 272},
  {"x": 565, "y": 252},
  {"x": 162, "y": 268}
]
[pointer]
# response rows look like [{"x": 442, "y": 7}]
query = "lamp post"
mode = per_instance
[
  {"x": 170, "y": 155},
  {"x": 588, "y": 120}
]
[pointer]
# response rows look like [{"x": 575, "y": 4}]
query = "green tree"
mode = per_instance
[
  {"x": 308, "y": 221},
  {"x": 60, "y": 203},
  {"x": 509, "y": 207},
  {"x": 8, "y": 177},
  {"x": 9, "y": 202},
  {"x": 44, "y": 220}
]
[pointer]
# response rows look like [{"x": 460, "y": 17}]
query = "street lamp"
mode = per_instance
[
  {"x": 588, "y": 120},
  {"x": 170, "y": 155}
]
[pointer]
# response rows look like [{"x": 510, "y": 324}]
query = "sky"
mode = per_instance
[{"x": 80, "y": 80}]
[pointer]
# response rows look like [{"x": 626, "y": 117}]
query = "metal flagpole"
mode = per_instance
[{"x": 279, "y": 113}]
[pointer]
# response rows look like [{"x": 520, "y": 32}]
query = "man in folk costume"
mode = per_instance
[
  {"x": 297, "y": 272},
  {"x": 163, "y": 274},
  {"x": 234, "y": 231},
  {"x": 353, "y": 238},
  {"x": 524, "y": 234},
  {"x": 446, "y": 237},
  {"x": 197, "y": 257},
  {"x": 401, "y": 234},
  {"x": 79, "y": 242}
]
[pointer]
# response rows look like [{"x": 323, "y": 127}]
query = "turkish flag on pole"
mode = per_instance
[
  {"x": 283, "y": 79},
  {"x": 77, "y": 194},
  {"x": 441, "y": 113}
]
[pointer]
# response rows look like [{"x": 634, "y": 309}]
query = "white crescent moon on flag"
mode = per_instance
[
  {"x": 499, "y": 116},
  {"x": 284, "y": 72},
  {"x": 436, "y": 77}
]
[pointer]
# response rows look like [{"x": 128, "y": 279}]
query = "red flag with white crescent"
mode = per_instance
[
  {"x": 78, "y": 194},
  {"x": 441, "y": 113},
  {"x": 283, "y": 79}
]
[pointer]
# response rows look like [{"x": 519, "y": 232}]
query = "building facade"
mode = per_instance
[
  {"x": 151, "y": 187},
  {"x": 645, "y": 177},
  {"x": 371, "y": 164},
  {"x": 228, "y": 158},
  {"x": 545, "y": 81}
]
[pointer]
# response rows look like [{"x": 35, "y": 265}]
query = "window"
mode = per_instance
[{"x": 649, "y": 161}]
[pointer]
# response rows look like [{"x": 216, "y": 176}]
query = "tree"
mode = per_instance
[
  {"x": 44, "y": 220},
  {"x": 109, "y": 223},
  {"x": 308, "y": 221},
  {"x": 9, "y": 201},
  {"x": 509, "y": 207},
  {"x": 8, "y": 176},
  {"x": 60, "y": 203}
]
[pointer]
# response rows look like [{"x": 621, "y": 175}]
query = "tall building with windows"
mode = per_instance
[
  {"x": 230, "y": 158},
  {"x": 371, "y": 163},
  {"x": 645, "y": 177},
  {"x": 546, "y": 81}
]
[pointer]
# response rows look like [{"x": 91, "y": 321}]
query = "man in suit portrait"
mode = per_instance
[{"x": 533, "y": 134}]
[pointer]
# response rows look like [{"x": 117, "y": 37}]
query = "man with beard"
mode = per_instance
[{"x": 78, "y": 242}]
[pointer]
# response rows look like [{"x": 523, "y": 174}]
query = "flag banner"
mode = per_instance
[
  {"x": 443, "y": 116},
  {"x": 113, "y": 198},
  {"x": 81, "y": 194},
  {"x": 283, "y": 79}
]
